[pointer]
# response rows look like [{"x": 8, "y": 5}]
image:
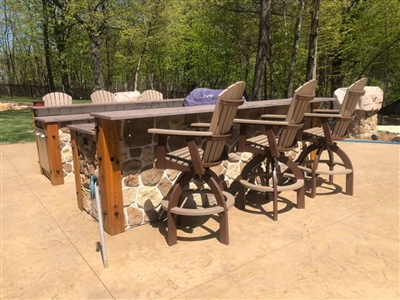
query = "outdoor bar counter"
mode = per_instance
[
  {"x": 119, "y": 151},
  {"x": 52, "y": 136}
]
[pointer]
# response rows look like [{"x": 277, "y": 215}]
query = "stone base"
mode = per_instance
[{"x": 364, "y": 125}]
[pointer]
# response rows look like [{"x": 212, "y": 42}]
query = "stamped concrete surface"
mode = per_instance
[{"x": 339, "y": 246}]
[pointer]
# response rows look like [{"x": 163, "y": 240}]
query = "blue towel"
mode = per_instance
[
  {"x": 202, "y": 96},
  {"x": 92, "y": 186}
]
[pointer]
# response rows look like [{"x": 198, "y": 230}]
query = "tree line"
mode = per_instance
[{"x": 176, "y": 45}]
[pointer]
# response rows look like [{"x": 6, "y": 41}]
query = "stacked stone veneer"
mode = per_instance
[
  {"x": 365, "y": 122},
  {"x": 66, "y": 151},
  {"x": 364, "y": 125},
  {"x": 143, "y": 186}
]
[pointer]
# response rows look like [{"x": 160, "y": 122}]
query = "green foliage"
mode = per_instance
[
  {"x": 29, "y": 101},
  {"x": 176, "y": 45},
  {"x": 373, "y": 48}
]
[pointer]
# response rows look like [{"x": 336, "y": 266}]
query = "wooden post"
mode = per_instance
[
  {"x": 36, "y": 140},
  {"x": 78, "y": 183},
  {"x": 53, "y": 151},
  {"x": 314, "y": 123},
  {"x": 110, "y": 178}
]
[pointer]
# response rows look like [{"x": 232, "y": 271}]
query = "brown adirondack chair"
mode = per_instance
[
  {"x": 195, "y": 162},
  {"x": 269, "y": 149},
  {"x": 324, "y": 138},
  {"x": 151, "y": 95},
  {"x": 102, "y": 96},
  {"x": 57, "y": 98}
]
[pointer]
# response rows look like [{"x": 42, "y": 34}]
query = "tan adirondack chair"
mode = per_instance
[
  {"x": 324, "y": 139},
  {"x": 57, "y": 98},
  {"x": 269, "y": 149},
  {"x": 195, "y": 162},
  {"x": 151, "y": 95},
  {"x": 102, "y": 96}
]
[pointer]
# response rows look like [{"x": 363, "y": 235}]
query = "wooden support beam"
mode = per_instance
[
  {"x": 54, "y": 154},
  {"x": 314, "y": 123},
  {"x": 36, "y": 140},
  {"x": 78, "y": 183},
  {"x": 110, "y": 177}
]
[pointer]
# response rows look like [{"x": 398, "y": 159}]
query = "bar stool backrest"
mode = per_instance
[
  {"x": 57, "y": 98},
  {"x": 298, "y": 107},
  {"x": 102, "y": 96},
  {"x": 221, "y": 123},
  {"x": 152, "y": 95},
  {"x": 348, "y": 108}
]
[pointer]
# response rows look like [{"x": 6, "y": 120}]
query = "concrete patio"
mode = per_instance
[{"x": 341, "y": 247}]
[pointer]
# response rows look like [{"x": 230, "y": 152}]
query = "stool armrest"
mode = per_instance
[
  {"x": 314, "y": 115},
  {"x": 260, "y": 122},
  {"x": 268, "y": 116},
  {"x": 179, "y": 132}
]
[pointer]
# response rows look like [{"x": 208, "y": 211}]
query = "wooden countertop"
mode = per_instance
[
  {"x": 64, "y": 118},
  {"x": 88, "y": 128},
  {"x": 162, "y": 112},
  {"x": 174, "y": 111}
]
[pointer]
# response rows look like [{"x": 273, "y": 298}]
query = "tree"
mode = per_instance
[
  {"x": 6, "y": 46},
  {"x": 176, "y": 45},
  {"x": 374, "y": 45},
  {"x": 46, "y": 43},
  {"x": 263, "y": 40},
  {"x": 295, "y": 49},
  {"x": 92, "y": 15},
  {"x": 21, "y": 46},
  {"x": 313, "y": 42}
]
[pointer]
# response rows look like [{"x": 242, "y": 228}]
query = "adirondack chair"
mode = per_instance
[
  {"x": 57, "y": 98},
  {"x": 151, "y": 95},
  {"x": 102, "y": 96},
  {"x": 324, "y": 139},
  {"x": 195, "y": 163},
  {"x": 269, "y": 149}
]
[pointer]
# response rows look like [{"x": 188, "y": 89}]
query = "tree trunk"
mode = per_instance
[
  {"x": 295, "y": 49},
  {"x": 64, "y": 74},
  {"x": 142, "y": 53},
  {"x": 110, "y": 49},
  {"x": 61, "y": 34},
  {"x": 337, "y": 76},
  {"x": 95, "y": 45},
  {"x": 261, "y": 50},
  {"x": 62, "y": 29},
  {"x": 7, "y": 51},
  {"x": 46, "y": 44},
  {"x": 312, "y": 46},
  {"x": 270, "y": 53},
  {"x": 137, "y": 70}
]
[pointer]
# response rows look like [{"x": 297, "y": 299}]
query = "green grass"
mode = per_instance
[
  {"x": 16, "y": 126},
  {"x": 29, "y": 101}
]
